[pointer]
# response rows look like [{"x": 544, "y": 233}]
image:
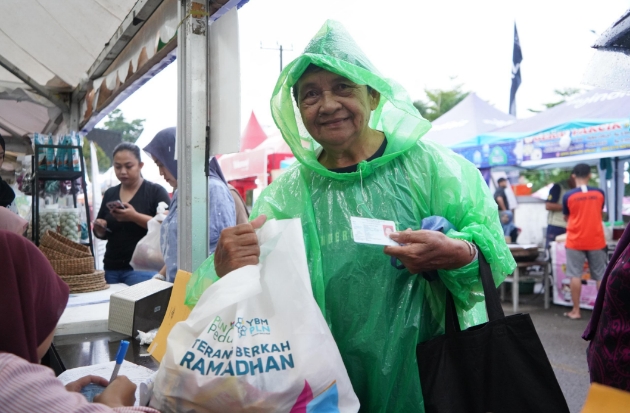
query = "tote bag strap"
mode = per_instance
[{"x": 493, "y": 303}]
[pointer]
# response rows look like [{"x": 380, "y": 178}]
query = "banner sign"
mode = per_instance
[
  {"x": 592, "y": 139},
  {"x": 490, "y": 155}
]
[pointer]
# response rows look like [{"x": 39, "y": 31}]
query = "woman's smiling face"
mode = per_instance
[{"x": 335, "y": 110}]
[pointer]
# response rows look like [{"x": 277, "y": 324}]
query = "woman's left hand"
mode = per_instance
[
  {"x": 425, "y": 250},
  {"x": 76, "y": 386},
  {"x": 128, "y": 214}
]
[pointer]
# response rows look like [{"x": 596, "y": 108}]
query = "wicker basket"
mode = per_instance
[
  {"x": 94, "y": 281},
  {"x": 53, "y": 255},
  {"x": 73, "y": 266},
  {"x": 62, "y": 244}
]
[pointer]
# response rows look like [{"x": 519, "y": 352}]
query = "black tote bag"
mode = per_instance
[{"x": 498, "y": 367}]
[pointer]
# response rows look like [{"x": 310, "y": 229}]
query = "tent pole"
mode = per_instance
[
  {"x": 619, "y": 188},
  {"x": 192, "y": 119},
  {"x": 41, "y": 90},
  {"x": 10, "y": 130}
]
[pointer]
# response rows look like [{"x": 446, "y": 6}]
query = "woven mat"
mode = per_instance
[
  {"x": 86, "y": 282},
  {"x": 90, "y": 289}
]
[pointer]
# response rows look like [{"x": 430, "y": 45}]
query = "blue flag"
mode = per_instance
[{"x": 517, "y": 57}]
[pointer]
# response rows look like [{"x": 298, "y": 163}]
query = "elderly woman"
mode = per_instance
[{"x": 357, "y": 139}]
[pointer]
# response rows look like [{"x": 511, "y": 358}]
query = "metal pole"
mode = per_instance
[
  {"x": 39, "y": 89},
  {"x": 192, "y": 111},
  {"x": 281, "y": 49},
  {"x": 10, "y": 130}
]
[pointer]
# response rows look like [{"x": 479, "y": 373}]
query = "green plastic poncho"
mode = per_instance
[{"x": 377, "y": 313}]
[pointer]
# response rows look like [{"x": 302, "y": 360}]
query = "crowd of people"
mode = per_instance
[{"x": 365, "y": 157}]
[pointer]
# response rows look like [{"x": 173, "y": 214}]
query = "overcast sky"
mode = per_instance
[{"x": 421, "y": 44}]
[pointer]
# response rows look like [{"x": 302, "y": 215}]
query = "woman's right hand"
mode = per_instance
[
  {"x": 99, "y": 227},
  {"x": 119, "y": 393},
  {"x": 238, "y": 247}
]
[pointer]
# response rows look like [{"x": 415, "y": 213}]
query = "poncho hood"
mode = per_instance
[{"x": 333, "y": 49}]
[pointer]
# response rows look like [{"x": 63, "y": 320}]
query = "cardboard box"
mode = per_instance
[{"x": 139, "y": 307}]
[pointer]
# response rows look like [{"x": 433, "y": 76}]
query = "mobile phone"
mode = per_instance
[
  {"x": 96, "y": 224},
  {"x": 115, "y": 205}
]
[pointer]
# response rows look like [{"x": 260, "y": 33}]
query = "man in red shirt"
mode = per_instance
[{"x": 582, "y": 208}]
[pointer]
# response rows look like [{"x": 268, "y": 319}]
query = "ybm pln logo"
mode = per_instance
[{"x": 253, "y": 327}]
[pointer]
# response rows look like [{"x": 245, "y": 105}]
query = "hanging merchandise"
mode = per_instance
[{"x": 256, "y": 341}]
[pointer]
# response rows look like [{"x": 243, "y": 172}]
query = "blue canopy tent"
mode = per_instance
[
  {"x": 592, "y": 126},
  {"x": 572, "y": 130}
]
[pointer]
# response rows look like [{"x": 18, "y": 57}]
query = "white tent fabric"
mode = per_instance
[
  {"x": 60, "y": 38},
  {"x": 161, "y": 27},
  {"x": 54, "y": 43}
]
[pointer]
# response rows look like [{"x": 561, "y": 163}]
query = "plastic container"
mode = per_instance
[
  {"x": 608, "y": 231},
  {"x": 70, "y": 223},
  {"x": 49, "y": 219},
  {"x": 617, "y": 232}
]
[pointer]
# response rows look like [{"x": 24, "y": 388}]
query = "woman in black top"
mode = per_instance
[
  {"x": 123, "y": 228},
  {"x": 6, "y": 193}
]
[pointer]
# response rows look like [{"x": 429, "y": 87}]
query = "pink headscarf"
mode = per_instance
[
  {"x": 32, "y": 297},
  {"x": 12, "y": 222}
]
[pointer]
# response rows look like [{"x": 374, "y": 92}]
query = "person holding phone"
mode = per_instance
[{"x": 124, "y": 213}]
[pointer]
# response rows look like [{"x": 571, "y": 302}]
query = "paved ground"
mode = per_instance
[{"x": 562, "y": 340}]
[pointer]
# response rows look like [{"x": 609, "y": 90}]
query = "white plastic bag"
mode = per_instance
[
  {"x": 148, "y": 254},
  {"x": 257, "y": 341}
]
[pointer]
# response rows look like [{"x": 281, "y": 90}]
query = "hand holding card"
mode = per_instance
[{"x": 372, "y": 231}]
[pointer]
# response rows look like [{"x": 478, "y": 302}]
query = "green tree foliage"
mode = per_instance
[
  {"x": 131, "y": 131},
  {"x": 542, "y": 177},
  {"x": 439, "y": 101},
  {"x": 562, "y": 94},
  {"x": 103, "y": 160}
]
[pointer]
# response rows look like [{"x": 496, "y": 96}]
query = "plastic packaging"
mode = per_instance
[
  {"x": 617, "y": 230},
  {"x": 378, "y": 313},
  {"x": 75, "y": 140},
  {"x": 40, "y": 139},
  {"x": 148, "y": 253},
  {"x": 50, "y": 155},
  {"x": 61, "y": 154},
  {"x": 70, "y": 223},
  {"x": 265, "y": 346},
  {"x": 49, "y": 219},
  {"x": 85, "y": 238}
]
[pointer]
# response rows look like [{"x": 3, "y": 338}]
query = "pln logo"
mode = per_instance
[{"x": 253, "y": 327}]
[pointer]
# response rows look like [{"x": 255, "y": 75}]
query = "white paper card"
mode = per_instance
[
  {"x": 137, "y": 374},
  {"x": 372, "y": 231}
]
